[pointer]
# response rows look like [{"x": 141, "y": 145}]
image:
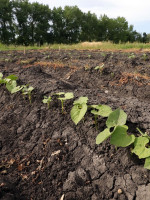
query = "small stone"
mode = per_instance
[{"x": 119, "y": 191}]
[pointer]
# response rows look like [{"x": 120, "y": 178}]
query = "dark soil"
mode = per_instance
[{"x": 44, "y": 156}]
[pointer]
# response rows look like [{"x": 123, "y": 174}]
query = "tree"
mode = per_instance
[
  {"x": 72, "y": 17},
  {"x": 104, "y": 22},
  {"x": 118, "y": 29},
  {"x": 89, "y": 27},
  {"x": 148, "y": 37},
  {"x": 7, "y": 35},
  {"x": 22, "y": 9},
  {"x": 32, "y": 22},
  {"x": 58, "y": 25},
  {"x": 39, "y": 22},
  {"x": 144, "y": 38}
]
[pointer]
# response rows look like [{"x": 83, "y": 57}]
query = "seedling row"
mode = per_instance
[{"x": 116, "y": 128}]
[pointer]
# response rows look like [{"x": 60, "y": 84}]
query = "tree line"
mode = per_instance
[{"x": 25, "y": 23}]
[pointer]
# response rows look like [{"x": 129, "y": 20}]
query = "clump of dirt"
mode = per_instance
[{"x": 43, "y": 154}]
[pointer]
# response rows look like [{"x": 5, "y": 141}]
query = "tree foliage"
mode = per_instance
[{"x": 22, "y": 22}]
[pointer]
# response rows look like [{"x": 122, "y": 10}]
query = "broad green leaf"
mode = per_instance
[
  {"x": 47, "y": 99},
  {"x": 93, "y": 106},
  {"x": 78, "y": 112},
  {"x": 120, "y": 138},
  {"x": 30, "y": 89},
  {"x": 102, "y": 110},
  {"x": 147, "y": 163},
  {"x": 81, "y": 100},
  {"x": 1, "y": 79},
  {"x": 10, "y": 85},
  {"x": 103, "y": 136},
  {"x": 140, "y": 148},
  {"x": 60, "y": 93},
  {"x": 1, "y": 75},
  {"x": 16, "y": 89},
  {"x": 117, "y": 117},
  {"x": 99, "y": 67},
  {"x": 12, "y": 77},
  {"x": 26, "y": 89},
  {"x": 68, "y": 95}
]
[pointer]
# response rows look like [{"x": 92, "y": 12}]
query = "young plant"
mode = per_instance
[
  {"x": 1, "y": 78},
  {"x": 11, "y": 84},
  {"x": 27, "y": 90},
  {"x": 100, "y": 110},
  {"x": 79, "y": 109},
  {"x": 100, "y": 68},
  {"x": 142, "y": 148},
  {"x": 145, "y": 57},
  {"x": 47, "y": 100},
  {"x": 118, "y": 137},
  {"x": 64, "y": 96},
  {"x": 12, "y": 87},
  {"x": 131, "y": 56}
]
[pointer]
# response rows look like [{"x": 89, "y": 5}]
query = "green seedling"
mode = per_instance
[
  {"x": 12, "y": 87},
  {"x": 79, "y": 109},
  {"x": 142, "y": 148},
  {"x": 27, "y": 90},
  {"x": 6, "y": 60},
  {"x": 64, "y": 96},
  {"x": 47, "y": 100},
  {"x": 145, "y": 57},
  {"x": 112, "y": 74},
  {"x": 119, "y": 136},
  {"x": 100, "y": 110},
  {"x": 1, "y": 78},
  {"x": 11, "y": 84},
  {"x": 103, "y": 54},
  {"x": 100, "y": 68},
  {"x": 11, "y": 78},
  {"x": 131, "y": 56}
]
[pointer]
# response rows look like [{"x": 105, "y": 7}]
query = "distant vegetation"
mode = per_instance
[
  {"x": 103, "y": 46},
  {"x": 25, "y": 23}
]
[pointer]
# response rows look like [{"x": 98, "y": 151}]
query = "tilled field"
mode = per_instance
[{"x": 44, "y": 155}]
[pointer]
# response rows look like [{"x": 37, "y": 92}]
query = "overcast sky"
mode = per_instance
[{"x": 136, "y": 12}]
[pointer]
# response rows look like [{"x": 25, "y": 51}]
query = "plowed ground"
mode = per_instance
[{"x": 44, "y": 155}]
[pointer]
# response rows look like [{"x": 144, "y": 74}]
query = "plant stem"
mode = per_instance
[
  {"x": 30, "y": 98},
  {"x": 96, "y": 122},
  {"x": 62, "y": 106},
  {"x": 139, "y": 131}
]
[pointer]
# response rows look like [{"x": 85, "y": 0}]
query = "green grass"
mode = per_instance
[{"x": 104, "y": 46}]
